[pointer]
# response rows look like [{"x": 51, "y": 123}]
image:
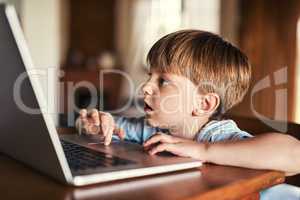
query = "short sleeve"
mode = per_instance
[
  {"x": 223, "y": 130},
  {"x": 136, "y": 129}
]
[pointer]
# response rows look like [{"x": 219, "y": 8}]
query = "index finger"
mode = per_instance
[
  {"x": 83, "y": 113},
  {"x": 154, "y": 139},
  {"x": 163, "y": 147},
  {"x": 94, "y": 115}
]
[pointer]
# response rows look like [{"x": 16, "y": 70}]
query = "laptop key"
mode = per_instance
[{"x": 82, "y": 158}]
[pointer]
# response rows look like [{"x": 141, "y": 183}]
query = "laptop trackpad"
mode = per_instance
[
  {"x": 93, "y": 139},
  {"x": 98, "y": 139}
]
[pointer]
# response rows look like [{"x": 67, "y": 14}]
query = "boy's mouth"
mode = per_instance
[{"x": 147, "y": 108}]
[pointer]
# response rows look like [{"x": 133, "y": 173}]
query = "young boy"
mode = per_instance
[{"x": 195, "y": 77}]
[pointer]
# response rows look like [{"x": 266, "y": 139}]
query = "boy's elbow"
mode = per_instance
[
  {"x": 294, "y": 157},
  {"x": 297, "y": 157},
  {"x": 292, "y": 146}
]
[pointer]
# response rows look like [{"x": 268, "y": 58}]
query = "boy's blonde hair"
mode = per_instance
[{"x": 210, "y": 62}]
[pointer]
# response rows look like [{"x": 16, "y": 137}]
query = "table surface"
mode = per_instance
[{"x": 209, "y": 182}]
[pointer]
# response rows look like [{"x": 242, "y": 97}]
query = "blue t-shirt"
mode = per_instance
[{"x": 137, "y": 130}]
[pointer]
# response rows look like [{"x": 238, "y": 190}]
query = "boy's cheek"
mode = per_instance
[{"x": 170, "y": 105}]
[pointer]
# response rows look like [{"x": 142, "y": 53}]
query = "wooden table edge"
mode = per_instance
[{"x": 253, "y": 185}]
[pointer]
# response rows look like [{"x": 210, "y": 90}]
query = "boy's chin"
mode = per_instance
[
  {"x": 151, "y": 122},
  {"x": 155, "y": 123}
]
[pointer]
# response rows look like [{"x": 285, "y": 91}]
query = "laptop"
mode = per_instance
[{"x": 33, "y": 140}]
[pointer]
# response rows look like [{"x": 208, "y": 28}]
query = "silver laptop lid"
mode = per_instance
[{"x": 29, "y": 138}]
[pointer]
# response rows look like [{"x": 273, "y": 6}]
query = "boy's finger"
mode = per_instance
[
  {"x": 85, "y": 125},
  {"x": 120, "y": 132},
  {"x": 108, "y": 137},
  {"x": 104, "y": 128},
  {"x": 94, "y": 115},
  {"x": 110, "y": 131},
  {"x": 159, "y": 137},
  {"x": 152, "y": 140},
  {"x": 83, "y": 113},
  {"x": 83, "y": 129},
  {"x": 95, "y": 129},
  {"x": 92, "y": 129},
  {"x": 104, "y": 123},
  {"x": 162, "y": 147},
  {"x": 83, "y": 122}
]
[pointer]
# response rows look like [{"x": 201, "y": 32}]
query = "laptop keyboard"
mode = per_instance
[{"x": 82, "y": 158}]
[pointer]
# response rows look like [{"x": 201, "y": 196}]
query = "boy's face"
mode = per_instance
[{"x": 169, "y": 99}]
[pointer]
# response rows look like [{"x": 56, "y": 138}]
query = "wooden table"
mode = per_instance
[{"x": 209, "y": 182}]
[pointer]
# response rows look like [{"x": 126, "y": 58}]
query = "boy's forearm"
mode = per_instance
[{"x": 268, "y": 151}]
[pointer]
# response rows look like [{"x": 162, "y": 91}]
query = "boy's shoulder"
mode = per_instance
[{"x": 221, "y": 130}]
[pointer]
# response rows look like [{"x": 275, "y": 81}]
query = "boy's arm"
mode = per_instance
[
  {"x": 136, "y": 129},
  {"x": 96, "y": 122},
  {"x": 267, "y": 151},
  {"x": 272, "y": 151}
]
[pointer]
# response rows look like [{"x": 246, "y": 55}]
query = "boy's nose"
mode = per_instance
[{"x": 147, "y": 89}]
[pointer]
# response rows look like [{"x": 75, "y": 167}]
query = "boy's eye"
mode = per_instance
[
  {"x": 149, "y": 76},
  {"x": 163, "y": 82}
]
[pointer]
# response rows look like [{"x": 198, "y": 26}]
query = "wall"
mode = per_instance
[
  {"x": 92, "y": 26},
  {"x": 268, "y": 37},
  {"x": 44, "y": 25}
]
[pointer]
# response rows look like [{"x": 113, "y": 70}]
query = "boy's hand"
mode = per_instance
[
  {"x": 178, "y": 146},
  {"x": 97, "y": 122}
]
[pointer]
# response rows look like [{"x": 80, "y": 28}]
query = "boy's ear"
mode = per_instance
[{"x": 206, "y": 104}]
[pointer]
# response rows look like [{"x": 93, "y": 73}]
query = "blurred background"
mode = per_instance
[{"x": 83, "y": 37}]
